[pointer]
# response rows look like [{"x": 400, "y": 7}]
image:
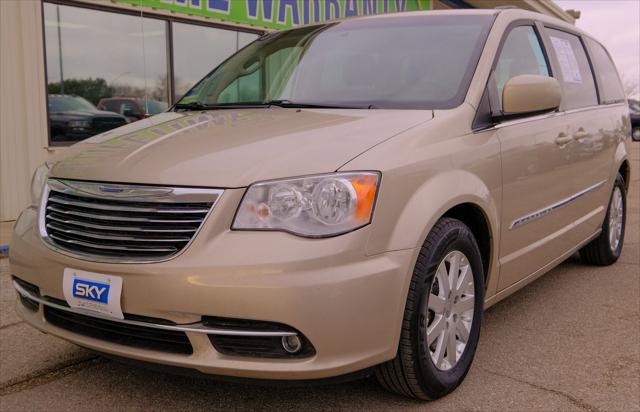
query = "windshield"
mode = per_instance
[
  {"x": 64, "y": 103},
  {"x": 421, "y": 62}
]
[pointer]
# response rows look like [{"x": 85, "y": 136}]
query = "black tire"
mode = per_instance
[
  {"x": 599, "y": 252},
  {"x": 412, "y": 372}
]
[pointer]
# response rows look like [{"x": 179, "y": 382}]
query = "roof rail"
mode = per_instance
[{"x": 507, "y": 7}]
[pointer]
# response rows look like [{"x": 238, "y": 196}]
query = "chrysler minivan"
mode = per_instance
[{"x": 335, "y": 200}]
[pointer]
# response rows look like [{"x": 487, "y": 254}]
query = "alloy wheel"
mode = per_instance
[
  {"x": 616, "y": 213},
  {"x": 450, "y": 310}
]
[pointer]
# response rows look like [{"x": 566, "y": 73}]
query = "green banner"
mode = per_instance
[{"x": 280, "y": 14}]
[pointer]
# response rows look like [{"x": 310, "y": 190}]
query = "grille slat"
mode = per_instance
[
  {"x": 80, "y": 223},
  {"x": 116, "y": 218},
  {"x": 94, "y": 235},
  {"x": 151, "y": 223},
  {"x": 121, "y": 208}
]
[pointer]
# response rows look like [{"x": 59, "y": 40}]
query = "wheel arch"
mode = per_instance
[
  {"x": 624, "y": 168},
  {"x": 458, "y": 194}
]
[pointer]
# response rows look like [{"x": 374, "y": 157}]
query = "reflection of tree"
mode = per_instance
[
  {"x": 91, "y": 89},
  {"x": 96, "y": 89}
]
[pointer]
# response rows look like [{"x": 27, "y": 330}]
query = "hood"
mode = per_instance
[{"x": 232, "y": 148}]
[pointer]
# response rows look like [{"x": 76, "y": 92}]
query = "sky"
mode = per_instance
[{"x": 616, "y": 24}]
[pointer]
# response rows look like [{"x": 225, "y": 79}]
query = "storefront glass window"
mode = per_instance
[
  {"x": 103, "y": 70},
  {"x": 106, "y": 69}
]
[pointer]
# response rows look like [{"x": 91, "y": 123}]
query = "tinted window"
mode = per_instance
[
  {"x": 521, "y": 54},
  {"x": 578, "y": 87},
  {"x": 409, "y": 62},
  {"x": 611, "y": 90}
]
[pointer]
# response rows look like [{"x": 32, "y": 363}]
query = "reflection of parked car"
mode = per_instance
[
  {"x": 131, "y": 108},
  {"x": 634, "y": 112},
  {"x": 73, "y": 118}
]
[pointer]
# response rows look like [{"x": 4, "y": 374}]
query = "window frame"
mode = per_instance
[
  {"x": 596, "y": 71},
  {"x": 168, "y": 21},
  {"x": 489, "y": 106},
  {"x": 546, "y": 36}
]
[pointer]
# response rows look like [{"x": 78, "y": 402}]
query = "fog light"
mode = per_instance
[{"x": 291, "y": 344}]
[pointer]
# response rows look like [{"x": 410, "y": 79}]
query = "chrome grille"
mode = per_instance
[{"x": 111, "y": 222}]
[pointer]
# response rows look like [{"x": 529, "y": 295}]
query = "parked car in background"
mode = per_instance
[
  {"x": 634, "y": 112},
  {"x": 131, "y": 108},
  {"x": 336, "y": 200},
  {"x": 74, "y": 118}
]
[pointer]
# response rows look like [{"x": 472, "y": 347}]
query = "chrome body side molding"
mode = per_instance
[{"x": 546, "y": 210}]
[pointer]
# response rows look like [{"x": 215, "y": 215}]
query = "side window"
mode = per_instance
[
  {"x": 110, "y": 106},
  {"x": 520, "y": 54},
  {"x": 611, "y": 90},
  {"x": 576, "y": 79}
]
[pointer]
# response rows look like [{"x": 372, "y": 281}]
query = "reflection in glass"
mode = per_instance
[
  {"x": 198, "y": 49},
  {"x": 94, "y": 55}
]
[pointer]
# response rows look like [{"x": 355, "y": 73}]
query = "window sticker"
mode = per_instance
[{"x": 567, "y": 59}]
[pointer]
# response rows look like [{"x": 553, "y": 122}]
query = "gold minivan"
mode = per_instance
[{"x": 335, "y": 200}]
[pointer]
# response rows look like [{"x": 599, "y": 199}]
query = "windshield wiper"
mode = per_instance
[
  {"x": 202, "y": 106},
  {"x": 290, "y": 104}
]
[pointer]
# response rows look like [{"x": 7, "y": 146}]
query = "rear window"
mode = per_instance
[
  {"x": 578, "y": 86},
  {"x": 611, "y": 90}
]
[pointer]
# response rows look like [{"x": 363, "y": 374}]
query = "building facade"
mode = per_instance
[{"x": 70, "y": 69}]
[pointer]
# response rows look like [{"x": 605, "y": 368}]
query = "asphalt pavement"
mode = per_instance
[{"x": 569, "y": 341}]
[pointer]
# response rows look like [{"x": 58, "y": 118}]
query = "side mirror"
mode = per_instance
[{"x": 529, "y": 94}]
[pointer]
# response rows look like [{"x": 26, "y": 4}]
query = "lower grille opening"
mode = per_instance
[
  {"x": 120, "y": 333},
  {"x": 255, "y": 346},
  {"x": 30, "y": 304}
]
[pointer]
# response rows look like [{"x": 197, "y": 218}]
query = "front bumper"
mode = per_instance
[{"x": 348, "y": 305}]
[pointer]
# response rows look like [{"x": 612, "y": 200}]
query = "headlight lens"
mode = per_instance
[
  {"x": 314, "y": 206},
  {"x": 38, "y": 181}
]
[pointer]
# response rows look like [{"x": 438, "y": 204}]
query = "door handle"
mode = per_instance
[
  {"x": 563, "y": 139},
  {"x": 580, "y": 134}
]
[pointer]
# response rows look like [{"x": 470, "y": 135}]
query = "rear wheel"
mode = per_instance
[
  {"x": 606, "y": 248},
  {"x": 442, "y": 316}
]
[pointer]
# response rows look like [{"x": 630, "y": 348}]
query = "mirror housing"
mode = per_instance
[{"x": 530, "y": 94}]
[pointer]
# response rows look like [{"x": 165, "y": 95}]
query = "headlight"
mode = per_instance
[
  {"x": 80, "y": 124},
  {"x": 37, "y": 182},
  {"x": 314, "y": 206}
]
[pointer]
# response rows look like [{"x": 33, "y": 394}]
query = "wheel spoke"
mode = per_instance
[
  {"x": 454, "y": 268},
  {"x": 462, "y": 331},
  {"x": 451, "y": 348},
  {"x": 436, "y": 303},
  {"x": 463, "y": 281},
  {"x": 443, "y": 281},
  {"x": 436, "y": 328},
  {"x": 438, "y": 354},
  {"x": 465, "y": 304}
]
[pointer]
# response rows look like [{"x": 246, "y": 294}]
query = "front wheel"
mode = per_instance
[{"x": 441, "y": 324}]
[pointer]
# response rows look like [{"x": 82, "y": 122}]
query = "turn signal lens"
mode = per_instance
[{"x": 314, "y": 206}]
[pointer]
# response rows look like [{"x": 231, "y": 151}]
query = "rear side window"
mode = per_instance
[
  {"x": 578, "y": 86},
  {"x": 521, "y": 54},
  {"x": 611, "y": 90}
]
